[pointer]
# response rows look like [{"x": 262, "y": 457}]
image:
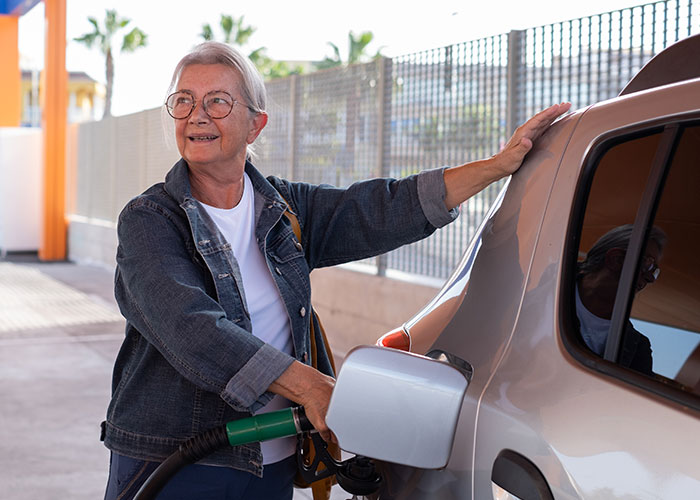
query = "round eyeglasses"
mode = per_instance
[
  {"x": 217, "y": 104},
  {"x": 649, "y": 266}
]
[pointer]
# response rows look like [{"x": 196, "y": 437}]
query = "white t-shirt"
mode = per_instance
[
  {"x": 594, "y": 329},
  {"x": 267, "y": 311}
]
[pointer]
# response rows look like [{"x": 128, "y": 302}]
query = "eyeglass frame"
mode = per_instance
[
  {"x": 649, "y": 265},
  {"x": 194, "y": 104}
]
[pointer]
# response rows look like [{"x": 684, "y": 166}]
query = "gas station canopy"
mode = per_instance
[{"x": 16, "y": 7}]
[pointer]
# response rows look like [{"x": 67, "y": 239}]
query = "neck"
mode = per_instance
[
  {"x": 216, "y": 190},
  {"x": 596, "y": 296}
]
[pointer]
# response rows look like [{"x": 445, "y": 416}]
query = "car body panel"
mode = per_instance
[
  {"x": 591, "y": 443},
  {"x": 591, "y": 435}
]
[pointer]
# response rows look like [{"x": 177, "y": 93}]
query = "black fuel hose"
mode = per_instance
[{"x": 282, "y": 423}]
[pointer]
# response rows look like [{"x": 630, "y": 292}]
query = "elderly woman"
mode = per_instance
[
  {"x": 215, "y": 287},
  {"x": 597, "y": 280}
]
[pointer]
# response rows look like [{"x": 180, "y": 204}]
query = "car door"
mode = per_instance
[{"x": 558, "y": 419}]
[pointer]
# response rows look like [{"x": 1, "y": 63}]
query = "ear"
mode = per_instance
[
  {"x": 257, "y": 124},
  {"x": 614, "y": 258}
]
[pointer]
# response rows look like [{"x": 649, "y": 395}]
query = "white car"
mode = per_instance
[{"x": 582, "y": 354}]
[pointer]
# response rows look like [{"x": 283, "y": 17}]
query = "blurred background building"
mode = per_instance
[{"x": 86, "y": 98}]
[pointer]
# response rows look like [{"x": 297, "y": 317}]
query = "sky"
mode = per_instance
[{"x": 289, "y": 29}]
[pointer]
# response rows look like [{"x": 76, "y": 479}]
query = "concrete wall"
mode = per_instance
[
  {"x": 92, "y": 241},
  {"x": 356, "y": 308}
]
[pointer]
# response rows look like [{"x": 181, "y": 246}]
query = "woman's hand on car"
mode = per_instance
[{"x": 464, "y": 181}]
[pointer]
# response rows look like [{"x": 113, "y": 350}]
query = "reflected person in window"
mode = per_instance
[{"x": 596, "y": 286}]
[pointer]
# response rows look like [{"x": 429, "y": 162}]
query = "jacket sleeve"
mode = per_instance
[
  {"x": 642, "y": 361},
  {"x": 368, "y": 218},
  {"x": 163, "y": 293}
]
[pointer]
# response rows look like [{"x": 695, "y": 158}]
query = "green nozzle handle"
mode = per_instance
[{"x": 266, "y": 426}]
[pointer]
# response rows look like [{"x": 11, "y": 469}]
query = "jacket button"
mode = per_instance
[
  {"x": 298, "y": 245},
  {"x": 305, "y": 357},
  {"x": 277, "y": 270},
  {"x": 302, "y": 312}
]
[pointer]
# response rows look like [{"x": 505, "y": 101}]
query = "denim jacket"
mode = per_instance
[{"x": 189, "y": 361}]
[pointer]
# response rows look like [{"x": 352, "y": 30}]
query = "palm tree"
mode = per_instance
[
  {"x": 238, "y": 34},
  {"x": 104, "y": 37},
  {"x": 357, "y": 51}
]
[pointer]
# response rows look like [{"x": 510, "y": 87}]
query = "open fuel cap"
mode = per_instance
[{"x": 396, "y": 407}]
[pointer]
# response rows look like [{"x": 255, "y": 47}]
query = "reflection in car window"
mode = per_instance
[
  {"x": 613, "y": 200},
  {"x": 597, "y": 280},
  {"x": 671, "y": 346},
  {"x": 662, "y": 336},
  {"x": 671, "y": 307}
]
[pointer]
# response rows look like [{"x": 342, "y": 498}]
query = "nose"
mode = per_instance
[{"x": 198, "y": 114}]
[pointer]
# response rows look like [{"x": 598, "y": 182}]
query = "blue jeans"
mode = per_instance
[{"x": 202, "y": 482}]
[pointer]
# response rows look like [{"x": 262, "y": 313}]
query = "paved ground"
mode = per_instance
[{"x": 60, "y": 330}]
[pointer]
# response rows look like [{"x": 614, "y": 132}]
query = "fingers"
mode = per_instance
[
  {"x": 310, "y": 388},
  {"x": 317, "y": 417},
  {"x": 526, "y": 134},
  {"x": 509, "y": 159},
  {"x": 316, "y": 401},
  {"x": 542, "y": 120}
]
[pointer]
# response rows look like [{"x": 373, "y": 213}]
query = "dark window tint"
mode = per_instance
[
  {"x": 613, "y": 201},
  {"x": 660, "y": 335},
  {"x": 668, "y": 309}
]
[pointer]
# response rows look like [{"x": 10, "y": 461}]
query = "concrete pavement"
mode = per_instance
[{"x": 60, "y": 331}]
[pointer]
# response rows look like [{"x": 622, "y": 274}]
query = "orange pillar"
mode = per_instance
[
  {"x": 11, "y": 81},
  {"x": 54, "y": 121}
]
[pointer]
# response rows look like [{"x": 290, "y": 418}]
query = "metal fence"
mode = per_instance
[
  {"x": 453, "y": 104},
  {"x": 445, "y": 106}
]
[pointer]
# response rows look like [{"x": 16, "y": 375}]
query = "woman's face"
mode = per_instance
[{"x": 215, "y": 143}]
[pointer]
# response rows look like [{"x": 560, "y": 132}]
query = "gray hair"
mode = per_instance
[
  {"x": 253, "y": 88},
  {"x": 618, "y": 237}
]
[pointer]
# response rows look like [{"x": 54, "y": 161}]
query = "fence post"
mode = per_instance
[
  {"x": 292, "y": 132},
  {"x": 384, "y": 91},
  {"x": 516, "y": 60}
]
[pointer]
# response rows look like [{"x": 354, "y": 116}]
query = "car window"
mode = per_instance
[
  {"x": 636, "y": 280},
  {"x": 669, "y": 311}
]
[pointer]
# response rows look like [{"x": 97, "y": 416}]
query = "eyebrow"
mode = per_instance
[{"x": 207, "y": 92}]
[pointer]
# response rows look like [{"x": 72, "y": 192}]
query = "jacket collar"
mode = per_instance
[{"x": 177, "y": 185}]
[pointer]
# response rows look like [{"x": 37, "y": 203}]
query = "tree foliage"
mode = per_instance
[
  {"x": 103, "y": 36},
  {"x": 357, "y": 51},
  {"x": 235, "y": 32}
]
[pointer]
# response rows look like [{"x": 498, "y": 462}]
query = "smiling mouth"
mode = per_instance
[{"x": 203, "y": 138}]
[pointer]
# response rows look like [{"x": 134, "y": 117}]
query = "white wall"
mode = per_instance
[{"x": 20, "y": 189}]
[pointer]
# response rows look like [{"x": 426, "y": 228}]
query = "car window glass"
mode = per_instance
[
  {"x": 661, "y": 337},
  {"x": 667, "y": 311},
  {"x": 615, "y": 193}
]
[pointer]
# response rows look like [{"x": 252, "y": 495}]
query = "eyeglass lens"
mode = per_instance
[
  {"x": 217, "y": 104},
  {"x": 649, "y": 266}
]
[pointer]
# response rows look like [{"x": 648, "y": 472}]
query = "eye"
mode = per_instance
[
  {"x": 181, "y": 99},
  {"x": 218, "y": 99}
]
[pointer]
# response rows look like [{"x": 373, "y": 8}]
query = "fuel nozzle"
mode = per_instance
[{"x": 356, "y": 475}]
